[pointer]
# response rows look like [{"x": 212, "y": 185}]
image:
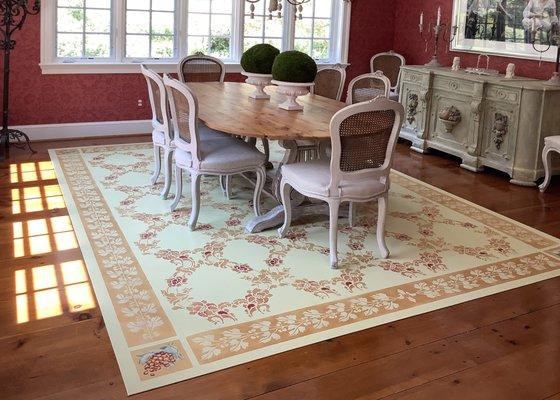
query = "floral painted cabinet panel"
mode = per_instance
[{"x": 487, "y": 121}]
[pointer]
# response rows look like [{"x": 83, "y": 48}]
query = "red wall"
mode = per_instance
[
  {"x": 408, "y": 42},
  {"x": 50, "y": 99}
]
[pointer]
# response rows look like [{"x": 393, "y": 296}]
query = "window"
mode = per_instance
[
  {"x": 150, "y": 28},
  {"x": 83, "y": 28},
  {"x": 96, "y": 36},
  {"x": 313, "y": 29},
  {"x": 209, "y": 27},
  {"x": 261, "y": 28}
]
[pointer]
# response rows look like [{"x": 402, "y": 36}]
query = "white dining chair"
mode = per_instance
[
  {"x": 329, "y": 82},
  {"x": 390, "y": 64},
  {"x": 201, "y": 68},
  {"x": 161, "y": 130},
  {"x": 214, "y": 157},
  {"x": 162, "y": 133},
  {"x": 551, "y": 145},
  {"x": 367, "y": 87},
  {"x": 363, "y": 140}
]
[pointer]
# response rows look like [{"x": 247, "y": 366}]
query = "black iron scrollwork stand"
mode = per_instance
[
  {"x": 553, "y": 40},
  {"x": 13, "y": 14}
]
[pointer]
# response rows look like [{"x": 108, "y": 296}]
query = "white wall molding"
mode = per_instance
[{"x": 85, "y": 129}]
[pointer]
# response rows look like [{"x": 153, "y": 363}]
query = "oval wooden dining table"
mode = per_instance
[{"x": 227, "y": 107}]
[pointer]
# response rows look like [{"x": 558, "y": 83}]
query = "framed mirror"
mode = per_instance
[{"x": 504, "y": 27}]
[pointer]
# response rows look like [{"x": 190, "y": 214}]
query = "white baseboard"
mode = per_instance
[{"x": 85, "y": 129}]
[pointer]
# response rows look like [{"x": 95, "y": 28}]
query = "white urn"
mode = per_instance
[
  {"x": 292, "y": 90},
  {"x": 259, "y": 81}
]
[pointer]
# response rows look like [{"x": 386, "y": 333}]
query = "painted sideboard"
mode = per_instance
[{"x": 487, "y": 121}]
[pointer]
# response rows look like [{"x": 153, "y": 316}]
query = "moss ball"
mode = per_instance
[
  {"x": 259, "y": 59},
  {"x": 294, "y": 66}
]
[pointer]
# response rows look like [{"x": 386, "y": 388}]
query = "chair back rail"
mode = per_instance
[
  {"x": 158, "y": 102},
  {"x": 390, "y": 63},
  {"x": 367, "y": 87},
  {"x": 363, "y": 140},
  {"x": 184, "y": 113},
  {"x": 201, "y": 68},
  {"x": 330, "y": 82}
]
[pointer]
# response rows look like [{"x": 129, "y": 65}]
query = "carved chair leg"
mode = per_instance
[
  {"x": 167, "y": 165},
  {"x": 178, "y": 187},
  {"x": 261, "y": 178},
  {"x": 334, "y": 206},
  {"x": 286, "y": 192},
  {"x": 381, "y": 217},
  {"x": 195, "y": 195},
  {"x": 157, "y": 169},
  {"x": 547, "y": 161},
  {"x": 352, "y": 214}
]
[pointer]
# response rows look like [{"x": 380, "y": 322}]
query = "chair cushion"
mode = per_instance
[
  {"x": 314, "y": 177},
  {"x": 158, "y": 137},
  {"x": 206, "y": 133},
  {"x": 367, "y": 94},
  {"x": 553, "y": 141},
  {"x": 227, "y": 155}
]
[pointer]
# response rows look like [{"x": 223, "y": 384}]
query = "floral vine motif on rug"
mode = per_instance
[
  {"x": 502, "y": 224},
  {"x": 233, "y": 340},
  {"x": 139, "y": 312},
  {"x": 272, "y": 272}
]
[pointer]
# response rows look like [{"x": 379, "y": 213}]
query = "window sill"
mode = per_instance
[{"x": 127, "y": 68}]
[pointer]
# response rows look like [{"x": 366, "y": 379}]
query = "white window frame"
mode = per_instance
[{"x": 51, "y": 64}]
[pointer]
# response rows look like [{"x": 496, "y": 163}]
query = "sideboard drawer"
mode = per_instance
[
  {"x": 457, "y": 86},
  {"x": 503, "y": 94}
]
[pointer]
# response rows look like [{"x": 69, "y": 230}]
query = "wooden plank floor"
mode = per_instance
[{"x": 504, "y": 346}]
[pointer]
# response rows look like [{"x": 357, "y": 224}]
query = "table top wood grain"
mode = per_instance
[{"x": 227, "y": 107}]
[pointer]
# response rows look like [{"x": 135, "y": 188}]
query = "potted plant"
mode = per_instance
[
  {"x": 257, "y": 67},
  {"x": 293, "y": 73}
]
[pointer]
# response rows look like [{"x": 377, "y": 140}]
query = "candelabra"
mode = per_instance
[
  {"x": 553, "y": 40},
  {"x": 276, "y": 6},
  {"x": 13, "y": 14},
  {"x": 437, "y": 32}
]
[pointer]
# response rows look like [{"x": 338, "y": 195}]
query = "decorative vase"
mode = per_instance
[
  {"x": 450, "y": 117},
  {"x": 292, "y": 90},
  {"x": 259, "y": 81}
]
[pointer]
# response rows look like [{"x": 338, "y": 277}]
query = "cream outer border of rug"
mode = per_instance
[{"x": 127, "y": 367}]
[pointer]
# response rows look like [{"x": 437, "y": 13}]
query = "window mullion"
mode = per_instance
[
  {"x": 182, "y": 9},
  {"x": 238, "y": 19},
  {"x": 119, "y": 26},
  {"x": 289, "y": 33}
]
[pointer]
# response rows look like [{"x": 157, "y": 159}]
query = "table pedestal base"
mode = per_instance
[{"x": 275, "y": 217}]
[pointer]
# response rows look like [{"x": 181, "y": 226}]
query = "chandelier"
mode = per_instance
[{"x": 276, "y": 6}]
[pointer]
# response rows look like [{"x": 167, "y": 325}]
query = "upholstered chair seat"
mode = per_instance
[
  {"x": 314, "y": 177},
  {"x": 219, "y": 155},
  {"x": 367, "y": 94}
]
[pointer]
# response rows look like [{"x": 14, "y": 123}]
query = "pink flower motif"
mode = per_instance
[
  {"x": 426, "y": 232},
  {"x": 402, "y": 237},
  {"x": 176, "y": 281},
  {"x": 274, "y": 261},
  {"x": 356, "y": 246},
  {"x": 146, "y": 235},
  {"x": 242, "y": 268},
  {"x": 296, "y": 235},
  {"x": 233, "y": 222}
]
